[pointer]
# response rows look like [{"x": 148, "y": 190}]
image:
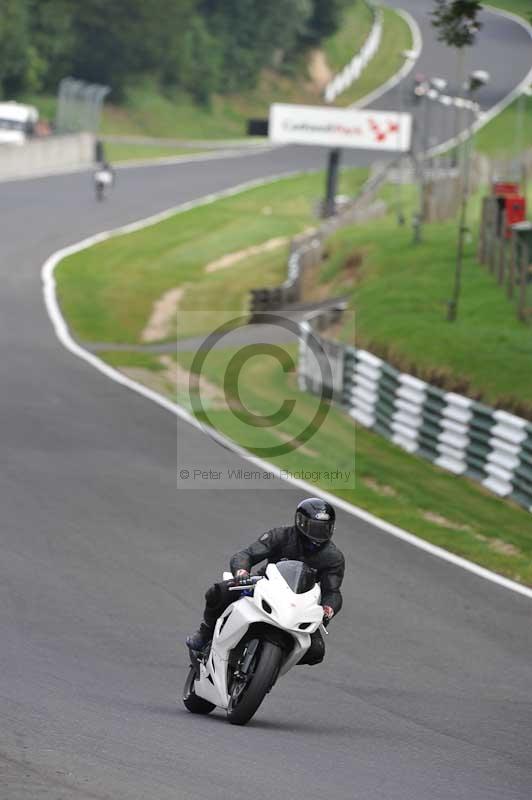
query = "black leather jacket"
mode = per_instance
[{"x": 279, "y": 543}]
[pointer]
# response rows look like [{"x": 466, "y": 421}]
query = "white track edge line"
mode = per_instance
[{"x": 63, "y": 334}]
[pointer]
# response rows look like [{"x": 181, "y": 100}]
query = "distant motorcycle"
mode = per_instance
[
  {"x": 103, "y": 181},
  {"x": 256, "y": 639}
]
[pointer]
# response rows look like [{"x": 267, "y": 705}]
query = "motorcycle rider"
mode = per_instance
[
  {"x": 308, "y": 540},
  {"x": 103, "y": 178}
]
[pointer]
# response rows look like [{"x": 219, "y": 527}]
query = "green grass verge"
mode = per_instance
[
  {"x": 356, "y": 25},
  {"x": 148, "y": 112},
  {"x": 396, "y": 38},
  {"x": 117, "y": 151},
  {"x": 45, "y": 104},
  {"x": 521, "y": 7},
  {"x": 400, "y": 293},
  {"x": 107, "y": 292},
  {"x": 509, "y": 132},
  {"x": 448, "y": 511}
]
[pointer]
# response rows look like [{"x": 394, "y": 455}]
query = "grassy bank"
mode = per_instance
[
  {"x": 509, "y": 133},
  {"x": 511, "y": 130},
  {"x": 356, "y": 25},
  {"x": 396, "y": 38},
  {"x": 520, "y": 7},
  {"x": 400, "y": 294},
  {"x": 108, "y": 291},
  {"x": 448, "y": 511},
  {"x": 117, "y": 152}
]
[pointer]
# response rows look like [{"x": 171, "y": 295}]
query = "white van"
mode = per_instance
[{"x": 17, "y": 122}]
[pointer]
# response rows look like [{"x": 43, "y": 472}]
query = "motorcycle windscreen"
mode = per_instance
[{"x": 298, "y": 575}]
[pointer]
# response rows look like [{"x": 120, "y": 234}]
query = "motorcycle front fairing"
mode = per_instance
[
  {"x": 300, "y": 615},
  {"x": 273, "y": 603}
]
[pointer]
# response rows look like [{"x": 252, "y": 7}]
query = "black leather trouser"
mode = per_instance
[{"x": 218, "y": 598}]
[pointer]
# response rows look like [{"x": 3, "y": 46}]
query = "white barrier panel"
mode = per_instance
[
  {"x": 47, "y": 155},
  {"x": 340, "y": 127},
  {"x": 358, "y": 63}
]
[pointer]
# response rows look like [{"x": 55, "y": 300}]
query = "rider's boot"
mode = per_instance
[
  {"x": 213, "y": 608},
  {"x": 202, "y": 637}
]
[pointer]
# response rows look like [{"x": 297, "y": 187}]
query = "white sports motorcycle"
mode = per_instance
[{"x": 256, "y": 639}]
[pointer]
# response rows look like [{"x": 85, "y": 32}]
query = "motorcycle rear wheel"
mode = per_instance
[
  {"x": 193, "y": 703},
  {"x": 244, "y": 701}
]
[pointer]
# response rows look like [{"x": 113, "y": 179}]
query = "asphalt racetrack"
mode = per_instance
[{"x": 427, "y": 685}]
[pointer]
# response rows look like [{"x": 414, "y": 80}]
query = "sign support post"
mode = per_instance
[
  {"x": 329, "y": 206},
  {"x": 337, "y": 128}
]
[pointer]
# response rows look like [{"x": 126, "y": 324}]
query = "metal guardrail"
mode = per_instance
[
  {"x": 47, "y": 155},
  {"x": 352, "y": 71},
  {"x": 307, "y": 250}
]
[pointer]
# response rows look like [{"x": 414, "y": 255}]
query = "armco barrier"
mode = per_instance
[
  {"x": 448, "y": 429},
  {"x": 307, "y": 253},
  {"x": 359, "y": 62},
  {"x": 47, "y": 155},
  {"x": 321, "y": 368}
]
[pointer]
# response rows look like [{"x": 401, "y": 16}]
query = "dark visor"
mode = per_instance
[{"x": 318, "y": 530}]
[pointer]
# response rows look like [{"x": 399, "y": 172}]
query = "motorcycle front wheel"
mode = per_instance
[
  {"x": 193, "y": 703},
  {"x": 247, "y": 693}
]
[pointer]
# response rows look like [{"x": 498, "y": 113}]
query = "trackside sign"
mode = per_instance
[{"x": 340, "y": 127}]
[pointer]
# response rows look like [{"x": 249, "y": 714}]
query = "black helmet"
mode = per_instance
[{"x": 315, "y": 520}]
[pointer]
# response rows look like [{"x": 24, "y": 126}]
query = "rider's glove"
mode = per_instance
[
  {"x": 241, "y": 576},
  {"x": 328, "y": 614}
]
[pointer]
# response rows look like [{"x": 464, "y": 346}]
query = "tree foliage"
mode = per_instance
[
  {"x": 202, "y": 46},
  {"x": 326, "y": 18},
  {"x": 456, "y": 21},
  {"x": 14, "y": 44}
]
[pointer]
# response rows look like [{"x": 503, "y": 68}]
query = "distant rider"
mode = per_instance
[
  {"x": 308, "y": 540},
  {"x": 103, "y": 178}
]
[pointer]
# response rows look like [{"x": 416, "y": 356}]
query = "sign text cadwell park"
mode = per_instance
[{"x": 339, "y": 127}]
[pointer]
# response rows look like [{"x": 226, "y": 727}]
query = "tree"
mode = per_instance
[
  {"x": 14, "y": 43},
  {"x": 116, "y": 41},
  {"x": 52, "y": 42},
  {"x": 251, "y": 35},
  {"x": 456, "y": 21},
  {"x": 326, "y": 18},
  {"x": 195, "y": 64},
  {"x": 202, "y": 46},
  {"x": 457, "y": 25}
]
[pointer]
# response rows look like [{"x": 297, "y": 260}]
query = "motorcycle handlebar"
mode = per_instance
[{"x": 250, "y": 584}]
